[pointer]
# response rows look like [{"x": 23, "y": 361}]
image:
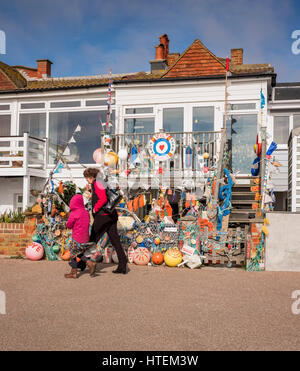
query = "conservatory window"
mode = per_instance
[
  {"x": 34, "y": 124},
  {"x": 281, "y": 129},
  {"x": 4, "y": 125},
  {"x": 139, "y": 125},
  {"x": 4, "y": 107},
  {"x": 138, "y": 110},
  {"x": 203, "y": 118},
  {"x": 65, "y": 104},
  {"x": 96, "y": 102},
  {"x": 32, "y": 105},
  {"x": 241, "y": 106},
  {"x": 296, "y": 121},
  {"x": 173, "y": 119},
  {"x": 62, "y": 126}
]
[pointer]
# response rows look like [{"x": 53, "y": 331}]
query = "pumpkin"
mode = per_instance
[
  {"x": 157, "y": 258},
  {"x": 173, "y": 257}
]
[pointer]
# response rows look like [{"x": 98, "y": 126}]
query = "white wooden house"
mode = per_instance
[{"x": 183, "y": 93}]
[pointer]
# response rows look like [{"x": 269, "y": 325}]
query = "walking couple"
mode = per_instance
[{"x": 79, "y": 222}]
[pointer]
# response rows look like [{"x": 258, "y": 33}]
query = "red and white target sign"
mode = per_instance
[{"x": 162, "y": 146}]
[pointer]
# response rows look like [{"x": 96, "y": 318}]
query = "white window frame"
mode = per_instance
[
  {"x": 281, "y": 114},
  {"x": 138, "y": 115}
]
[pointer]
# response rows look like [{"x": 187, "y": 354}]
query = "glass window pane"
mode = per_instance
[
  {"x": 32, "y": 105},
  {"x": 296, "y": 120},
  {"x": 98, "y": 102},
  {"x": 139, "y": 125},
  {"x": 241, "y": 106},
  {"x": 62, "y": 126},
  {"x": 130, "y": 111},
  {"x": 34, "y": 124},
  {"x": 281, "y": 129},
  {"x": 4, "y": 125},
  {"x": 173, "y": 119},
  {"x": 65, "y": 104},
  {"x": 241, "y": 137},
  {"x": 4, "y": 107},
  {"x": 203, "y": 118}
]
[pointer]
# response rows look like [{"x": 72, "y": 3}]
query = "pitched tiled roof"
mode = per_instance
[
  {"x": 13, "y": 75},
  {"x": 197, "y": 61}
]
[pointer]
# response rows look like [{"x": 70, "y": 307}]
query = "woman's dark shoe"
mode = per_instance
[
  {"x": 92, "y": 267},
  {"x": 120, "y": 270},
  {"x": 72, "y": 274}
]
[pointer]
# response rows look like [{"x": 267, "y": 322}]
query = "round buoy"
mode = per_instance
[
  {"x": 111, "y": 159},
  {"x": 141, "y": 256},
  {"x": 157, "y": 258},
  {"x": 66, "y": 255},
  {"x": 34, "y": 251},
  {"x": 173, "y": 257},
  {"x": 123, "y": 154},
  {"x": 97, "y": 156}
]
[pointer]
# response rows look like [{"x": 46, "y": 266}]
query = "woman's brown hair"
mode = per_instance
[{"x": 91, "y": 172}]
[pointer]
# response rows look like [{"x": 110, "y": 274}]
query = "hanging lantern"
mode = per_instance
[{"x": 97, "y": 156}]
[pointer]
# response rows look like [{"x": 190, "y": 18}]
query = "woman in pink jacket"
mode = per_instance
[
  {"x": 79, "y": 222},
  {"x": 104, "y": 221}
]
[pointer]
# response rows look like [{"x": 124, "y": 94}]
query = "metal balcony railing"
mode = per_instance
[{"x": 199, "y": 142}]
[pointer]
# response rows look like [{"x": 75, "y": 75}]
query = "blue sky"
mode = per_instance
[{"x": 86, "y": 37}]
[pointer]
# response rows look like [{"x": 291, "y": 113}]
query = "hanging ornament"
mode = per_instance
[
  {"x": 106, "y": 140},
  {"x": 60, "y": 188},
  {"x": 206, "y": 155},
  {"x": 188, "y": 157},
  {"x": 123, "y": 154},
  {"x": 111, "y": 159},
  {"x": 97, "y": 156}
]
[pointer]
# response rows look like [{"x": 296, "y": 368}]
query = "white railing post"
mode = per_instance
[{"x": 25, "y": 153}]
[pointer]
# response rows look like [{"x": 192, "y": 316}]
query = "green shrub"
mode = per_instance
[{"x": 12, "y": 217}]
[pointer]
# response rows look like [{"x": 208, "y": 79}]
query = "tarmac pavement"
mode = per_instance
[{"x": 150, "y": 308}]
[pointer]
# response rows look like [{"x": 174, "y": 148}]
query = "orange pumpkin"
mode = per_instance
[{"x": 157, "y": 258}]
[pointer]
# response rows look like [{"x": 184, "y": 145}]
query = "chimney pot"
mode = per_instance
[{"x": 159, "y": 53}]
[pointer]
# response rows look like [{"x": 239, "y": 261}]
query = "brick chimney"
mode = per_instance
[
  {"x": 161, "y": 54},
  {"x": 237, "y": 56},
  {"x": 164, "y": 40},
  {"x": 44, "y": 68}
]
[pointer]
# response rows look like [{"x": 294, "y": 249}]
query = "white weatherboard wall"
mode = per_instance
[
  {"x": 282, "y": 250},
  {"x": 188, "y": 94}
]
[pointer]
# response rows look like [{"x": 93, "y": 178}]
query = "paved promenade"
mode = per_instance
[{"x": 151, "y": 308}]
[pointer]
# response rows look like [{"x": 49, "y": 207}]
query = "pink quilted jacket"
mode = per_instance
[{"x": 79, "y": 220}]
